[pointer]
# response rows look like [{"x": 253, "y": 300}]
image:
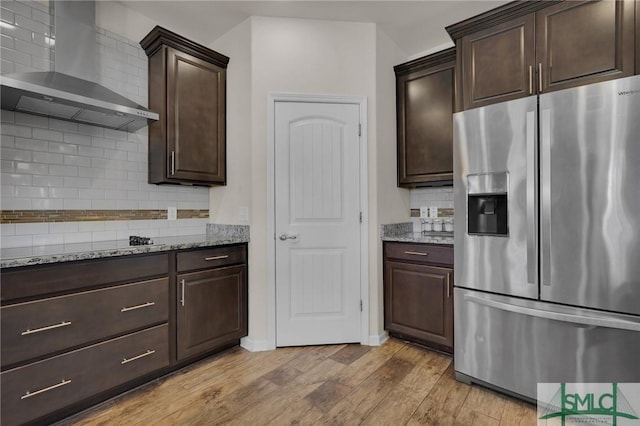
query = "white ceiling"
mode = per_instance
[{"x": 415, "y": 26}]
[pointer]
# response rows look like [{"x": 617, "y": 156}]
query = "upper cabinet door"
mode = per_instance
[
  {"x": 584, "y": 42},
  {"x": 425, "y": 89},
  {"x": 195, "y": 118},
  {"x": 498, "y": 63}
]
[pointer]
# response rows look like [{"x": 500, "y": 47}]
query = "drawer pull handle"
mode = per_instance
[
  {"x": 57, "y": 385},
  {"x": 133, "y": 308},
  {"x": 417, "y": 253},
  {"x": 216, "y": 257},
  {"x": 49, "y": 327},
  {"x": 147, "y": 353}
]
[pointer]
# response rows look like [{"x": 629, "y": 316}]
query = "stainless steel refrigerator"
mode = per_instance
[{"x": 547, "y": 239}]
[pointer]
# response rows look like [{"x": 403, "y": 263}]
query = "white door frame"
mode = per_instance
[{"x": 272, "y": 98}]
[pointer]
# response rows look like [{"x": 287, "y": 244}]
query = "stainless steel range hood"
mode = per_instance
[{"x": 70, "y": 93}]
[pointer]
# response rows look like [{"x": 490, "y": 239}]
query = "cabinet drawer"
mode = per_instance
[
  {"x": 37, "y": 328},
  {"x": 33, "y": 281},
  {"x": 424, "y": 253},
  {"x": 37, "y": 389},
  {"x": 211, "y": 258}
]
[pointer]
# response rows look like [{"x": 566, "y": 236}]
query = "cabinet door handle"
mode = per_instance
[
  {"x": 417, "y": 253},
  {"x": 182, "y": 292},
  {"x": 133, "y": 308},
  {"x": 173, "y": 163},
  {"x": 449, "y": 288},
  {"x": 216, "y": 257},
  {"x": 539, "y": 77},
  {"x": 147, "y": 353},
  {"x": 531, "y": 79},
  {"x": 48, "y": 327},
  {"x": 43, "y": 390}
]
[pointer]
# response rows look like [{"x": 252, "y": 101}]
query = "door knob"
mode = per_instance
[{"x": 284, "y": 237}]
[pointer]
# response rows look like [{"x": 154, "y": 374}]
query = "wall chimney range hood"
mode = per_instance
[{"x": 70, "y": 93}]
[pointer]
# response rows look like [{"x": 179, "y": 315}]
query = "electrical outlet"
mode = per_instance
[
  {"x": 243, "y": 214},
  {"x": 424, "y": 212},
  {"x": 433, "y": 212},
  {"x": 172, "y": 213}
]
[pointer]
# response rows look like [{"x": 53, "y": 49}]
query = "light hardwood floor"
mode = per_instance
[{"x": 393, "y": 384}]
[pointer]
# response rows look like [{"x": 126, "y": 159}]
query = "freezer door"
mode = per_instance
[
  {"x": 495, "y": 154},
  {"x": 513, "y": 343},
  {"x": 590, "y": 198}
]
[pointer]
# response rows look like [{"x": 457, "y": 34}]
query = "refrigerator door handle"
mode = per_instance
[
  {"x": 556, "y": 316},
  {"x": 545, "y": 235},
  {"x": 532, "y": 211}
]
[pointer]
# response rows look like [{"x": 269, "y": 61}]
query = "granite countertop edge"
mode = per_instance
[{"x": 120, "y": 249}]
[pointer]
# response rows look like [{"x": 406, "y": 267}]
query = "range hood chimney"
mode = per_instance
[{"x": 70, "y": 91}]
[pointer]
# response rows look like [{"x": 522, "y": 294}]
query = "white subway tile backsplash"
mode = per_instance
[
  {"x": 103, "y": 236},
  {"x": 47, "y": 157},
  {"x": 57, "y": 170},
  {"x": 32, "y": 228},
  {"x": 16, "y": 179},
  {"x": 7, "y": 229},
  {"x": 31, "y": 144},
  {"x": 74, "y": 160},
  {"x": 63, "y": 192},
  {"x": 62, "y": 126},
  {"x": 15, "y": 130},
  {"x": 48, "y": 239},
  {"x": 55, "y": 164},
  {"x": 31, "y": 168},
  {"x": 48, "y": 181},
  {"x": 47, "y": 134},
  {"x": 31, "y": 192},
  {"x": 70, "y": 204},
  {"x": 9, "y": 154},
  {"x": 47, "y": 204},
  {"x": 77, "y": 237},
  {"x": 10, "y": 241},
  {"x": 16, "y": 203}
]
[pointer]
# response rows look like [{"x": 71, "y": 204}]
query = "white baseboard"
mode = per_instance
[
  {"x": 379, "y": 339},
  {"x": 255, "y": 345}
]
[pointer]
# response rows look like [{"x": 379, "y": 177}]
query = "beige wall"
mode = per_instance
[{"x": 308, "y": 57}]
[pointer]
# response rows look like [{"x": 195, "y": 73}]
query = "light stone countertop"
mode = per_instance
[
  {"x": 38, "y": 255},
  {"x": 403, "y": 233}
]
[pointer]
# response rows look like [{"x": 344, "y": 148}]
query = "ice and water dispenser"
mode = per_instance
[{"x": 487, "y": 204}]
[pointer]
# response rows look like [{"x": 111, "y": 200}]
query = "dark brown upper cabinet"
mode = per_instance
[
  {"x": 187, "y": 87},
  {"x": 425, "y": 99},
  {"x": 527, "y": 48},
  {"x": 498, "y": 63}
]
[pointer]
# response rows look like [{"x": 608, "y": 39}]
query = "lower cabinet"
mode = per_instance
[
  {"x": 76, "y": 333},
  {"x": 212, "y": 309},
  {"x": 418, "y": 293}
]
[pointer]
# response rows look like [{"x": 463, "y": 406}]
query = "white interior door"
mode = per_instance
[{"x": 317, "y": 223}]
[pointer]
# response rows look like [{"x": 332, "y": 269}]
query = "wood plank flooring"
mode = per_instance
[{"x": 393, "y": 384}]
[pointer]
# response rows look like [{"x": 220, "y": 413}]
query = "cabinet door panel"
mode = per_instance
[
  {"x": 425, "y": 125},
  {"x": 498, "y": 63},
  {"x": 418, "y": 302},
  {"x": 196, "y": 122},
  {"x": 211, "y": 309},
  {"x": 580, "y": 43}
]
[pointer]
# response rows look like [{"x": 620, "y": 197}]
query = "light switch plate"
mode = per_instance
[
  {"x": 172, "y": 213},
  {"x": 424, "y": 212},
  {"x": 433, "y": 212}
]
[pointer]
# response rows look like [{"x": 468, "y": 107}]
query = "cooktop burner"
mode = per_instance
[{"x": 135, "y": 240}]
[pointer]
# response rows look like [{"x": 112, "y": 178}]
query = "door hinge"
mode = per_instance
[
  {"x": 360, "y": 305},
  {"x": 359, "y": 129},
  {"x": 360, "y": 217}
]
